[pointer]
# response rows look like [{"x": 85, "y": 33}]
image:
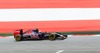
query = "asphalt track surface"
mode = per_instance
[{"x": 74, "y": 44}]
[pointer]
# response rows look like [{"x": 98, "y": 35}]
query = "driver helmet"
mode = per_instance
[{"x": 36, "y": 30}]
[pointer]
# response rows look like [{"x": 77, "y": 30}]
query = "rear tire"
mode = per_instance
[{"x": 18, "y": 37}]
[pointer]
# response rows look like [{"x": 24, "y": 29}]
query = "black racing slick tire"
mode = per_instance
[
  {"x": 18, "y": 37},
  {"x": 62, "y": 38},
  {"x": 52, "y": 37},
  {"x": 66, "y": 36}
]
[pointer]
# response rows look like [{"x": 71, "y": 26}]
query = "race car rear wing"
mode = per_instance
[{"x": 16, "y": 32}]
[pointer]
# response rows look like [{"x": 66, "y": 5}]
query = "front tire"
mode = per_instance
[
  {"x": 52, "y": 37},
  {"x": 66, "y": 36},
  {"x": 63, "y": 38}
]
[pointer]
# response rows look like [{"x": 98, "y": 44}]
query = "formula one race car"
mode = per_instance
[{"x": 35, "y": 34}]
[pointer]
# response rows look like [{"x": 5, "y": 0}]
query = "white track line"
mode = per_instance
[
  {"x": 7, "y": 37},
  {"x": 84, "y": 35},
  {"x": 10, "y": 37},
  {"x": 59, "y": 51}
]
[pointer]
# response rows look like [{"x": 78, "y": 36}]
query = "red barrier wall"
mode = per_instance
[
  {"x": 49, "y": 3},
  {"x": 50, "y": 26}
]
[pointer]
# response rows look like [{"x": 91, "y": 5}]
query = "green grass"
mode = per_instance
[
  {"x": 82, "y": 32},
  {"x": 78, "y": 32},
  {"x": 6, "y": 34}
]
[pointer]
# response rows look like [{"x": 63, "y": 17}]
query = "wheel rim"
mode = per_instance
[
  {"x": 18, "y": 38},
  {"x": 62, "y": 38},
  {"x": 66, "y": 36},
  {"x": 52, "y": 37}
]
